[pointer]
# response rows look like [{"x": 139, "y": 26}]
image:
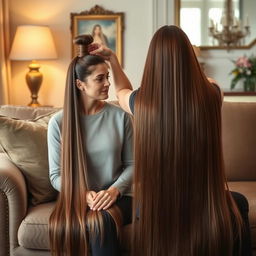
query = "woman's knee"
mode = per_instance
[{"x": 98, "y": 221}]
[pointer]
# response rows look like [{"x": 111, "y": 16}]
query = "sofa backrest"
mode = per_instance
[
  {"x": 239, "y": 140},
  {"x": 238, "y": 130},
  {"x": 24, "y": 112}
]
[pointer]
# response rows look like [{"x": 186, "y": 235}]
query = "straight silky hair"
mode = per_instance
[
  {"x": 71, "y": 220},
  {"x": 182, "y": 206}
]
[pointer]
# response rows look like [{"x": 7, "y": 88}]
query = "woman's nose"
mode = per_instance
[{"x": 107, "y": 83}]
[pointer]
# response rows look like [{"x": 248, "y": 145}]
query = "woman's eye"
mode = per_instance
[{"x": 101, "y": 79}]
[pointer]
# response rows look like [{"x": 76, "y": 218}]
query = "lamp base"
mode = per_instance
[
  {"x": 34, "y": 104},
  {"x": 34, "y": 80}
]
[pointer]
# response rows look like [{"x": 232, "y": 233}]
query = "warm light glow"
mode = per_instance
[
  {"x": 192, "y": 29},
  {"x": 33, "y": 43}
]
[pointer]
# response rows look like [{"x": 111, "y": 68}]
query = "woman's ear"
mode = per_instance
[{"x": 79, "y": 85}]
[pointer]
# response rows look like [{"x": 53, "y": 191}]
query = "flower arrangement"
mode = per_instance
[{"x": 245, "y": 70}]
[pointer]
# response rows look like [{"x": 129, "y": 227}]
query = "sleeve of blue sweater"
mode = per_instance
[{"x": 124, "y": 182}]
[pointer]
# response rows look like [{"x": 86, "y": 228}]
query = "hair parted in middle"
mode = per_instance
[
  {"x": 71, "y": 218},
  {"x": 181, "y": 193}
]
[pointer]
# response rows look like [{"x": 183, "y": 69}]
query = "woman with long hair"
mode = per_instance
[
  {"x": 91, "y": 164},
  {"x": 98, "y": 36},
  {"x": 181, "y": 196}
]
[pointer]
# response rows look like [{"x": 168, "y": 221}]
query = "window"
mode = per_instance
[
  {"x": 192, "y": 29},
  {"x": 195, "y": 18}
]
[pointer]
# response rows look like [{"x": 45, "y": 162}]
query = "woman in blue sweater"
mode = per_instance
[{"x": 91, "y": 162}]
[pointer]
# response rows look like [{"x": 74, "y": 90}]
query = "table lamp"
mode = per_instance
[{"x": 33, "y": 43}]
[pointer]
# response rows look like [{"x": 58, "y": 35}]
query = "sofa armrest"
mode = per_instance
[{"x": 13, "y": 204}]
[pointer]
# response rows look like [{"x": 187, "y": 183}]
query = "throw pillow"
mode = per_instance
[{"x": 25, "y": 143}]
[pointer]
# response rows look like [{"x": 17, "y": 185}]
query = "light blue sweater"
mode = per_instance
[{"x": 108, "y": 143}]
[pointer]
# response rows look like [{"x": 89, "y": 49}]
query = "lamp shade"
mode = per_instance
[{"x": 33, "y": 43}]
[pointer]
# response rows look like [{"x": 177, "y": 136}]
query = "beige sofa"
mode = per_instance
[{"x": 23, "y": 227}]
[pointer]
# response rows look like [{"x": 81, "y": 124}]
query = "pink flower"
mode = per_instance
[{"x": 243, "y": 62}]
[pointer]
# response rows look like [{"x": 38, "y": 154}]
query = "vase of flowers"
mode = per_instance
[{"x": 245, "y": 70}]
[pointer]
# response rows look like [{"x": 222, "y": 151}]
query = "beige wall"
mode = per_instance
[
  {"x": 56, "y": 14},
  {"x": 142, "y": 18}
]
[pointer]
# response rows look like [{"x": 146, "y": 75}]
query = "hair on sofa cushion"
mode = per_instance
[{"x": 25, "y": 143}]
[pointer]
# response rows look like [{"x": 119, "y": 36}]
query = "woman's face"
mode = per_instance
[
  {"x": 96, "y": 85},
  {"x": 97, "y": 30}
]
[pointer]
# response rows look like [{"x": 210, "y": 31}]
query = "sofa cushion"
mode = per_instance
[
  {"x": 33, "y": 231},
  {"x": 25, "y": 143},
  {"x": 248, "y": 189}
]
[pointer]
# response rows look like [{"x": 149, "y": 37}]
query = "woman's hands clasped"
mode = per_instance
[
  {"x": 103, "y": 199},
  {"x": 90, "y": 195}
]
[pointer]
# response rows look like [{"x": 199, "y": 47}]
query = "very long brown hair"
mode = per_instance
[
  {"x": 181, "y": 194},
  {"x": 71, "y": 218}
]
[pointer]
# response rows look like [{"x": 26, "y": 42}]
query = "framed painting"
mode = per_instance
[{"x": 106, "y": 27}]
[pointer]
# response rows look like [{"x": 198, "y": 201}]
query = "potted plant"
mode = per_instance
[{"x": 245, "y": 70}]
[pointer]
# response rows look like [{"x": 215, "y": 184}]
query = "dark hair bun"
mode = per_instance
[
  {"x": 83, "y": 39},
  {"x": 82, "y": 42}
]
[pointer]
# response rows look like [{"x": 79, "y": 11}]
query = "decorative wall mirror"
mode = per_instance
[{"x": 218, "y": 24}]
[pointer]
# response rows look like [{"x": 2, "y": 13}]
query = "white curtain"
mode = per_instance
[{"x": 5, "y": 77}]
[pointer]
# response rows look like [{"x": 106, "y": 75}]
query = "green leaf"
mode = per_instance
[{"x": 234, "y": 82}]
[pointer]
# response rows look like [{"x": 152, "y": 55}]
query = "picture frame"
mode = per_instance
[{"x": 104, "y": 25}]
